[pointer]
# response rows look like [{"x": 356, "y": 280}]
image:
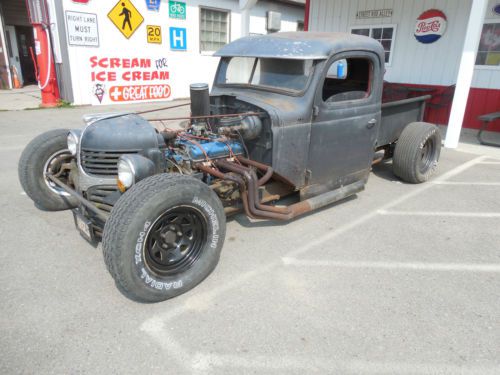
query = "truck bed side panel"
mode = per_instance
[{"x": 396, "y": 115}]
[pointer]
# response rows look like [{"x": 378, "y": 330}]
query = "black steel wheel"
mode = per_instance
[
  {"x": 417, "y": 152},
  {"x": 175, "y": 240},
  {"x": 47, "y": 153},
  {"x": 164, "y": 236},
  {"x": 427, "y": 155}
]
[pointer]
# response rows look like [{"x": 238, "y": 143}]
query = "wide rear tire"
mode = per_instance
[
  {"x": 164, "y": 236},
  {"x": 45, "y": 153},
  {"x": 417, "y": 152}
]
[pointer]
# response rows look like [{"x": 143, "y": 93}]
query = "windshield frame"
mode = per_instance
[{"x": 224, "y": 63}]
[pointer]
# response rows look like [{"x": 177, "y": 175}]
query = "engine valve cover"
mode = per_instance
[{"x": 213, "y": 149}]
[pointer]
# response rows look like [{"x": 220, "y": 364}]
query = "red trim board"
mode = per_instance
[{"x": 481, "y": 101}]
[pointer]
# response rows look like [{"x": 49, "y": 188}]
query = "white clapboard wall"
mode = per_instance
[{"x": 412, "y": 62}]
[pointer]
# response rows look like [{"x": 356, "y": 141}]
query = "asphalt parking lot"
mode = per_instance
[{"x": 400, "y": 279}]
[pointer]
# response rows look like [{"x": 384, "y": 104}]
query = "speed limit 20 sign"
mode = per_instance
[{"x": 154, "y": 34}]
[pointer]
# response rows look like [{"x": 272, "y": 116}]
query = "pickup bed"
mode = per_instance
[{"x": 399, "y": 112}]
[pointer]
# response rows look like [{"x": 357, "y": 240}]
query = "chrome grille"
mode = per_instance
[
  {"x": 102, "y": 197},
  {"x": 99, "y": 194},
  {"x": 102, "y": 163}
]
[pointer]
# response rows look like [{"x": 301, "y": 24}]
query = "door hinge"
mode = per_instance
[
  {"x": 308, "y": 176},
  {"x": 315, "y": 110}
]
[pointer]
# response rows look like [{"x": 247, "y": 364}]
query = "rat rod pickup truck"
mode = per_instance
[{"x": 289, "y": 114}]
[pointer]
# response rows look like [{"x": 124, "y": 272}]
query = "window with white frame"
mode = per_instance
[
  {"x": 385, "y": 34},
  {"x": 488, "y": 52},
  {"x": 214, "y": 29}
]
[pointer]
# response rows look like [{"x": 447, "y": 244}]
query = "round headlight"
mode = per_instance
[
  {"x": 73, "y": 138},
  {"x": 132, "y": 169},
  {"x": 126, "y": 172}
]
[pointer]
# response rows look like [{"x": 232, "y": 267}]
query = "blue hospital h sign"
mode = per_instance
[{"x": 178, "y": 38}]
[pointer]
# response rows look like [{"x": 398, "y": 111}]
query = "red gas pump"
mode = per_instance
[{"x": 46, "y": 72}]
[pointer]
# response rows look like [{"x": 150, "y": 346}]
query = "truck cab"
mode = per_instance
[{"x": 323, "y": 94}]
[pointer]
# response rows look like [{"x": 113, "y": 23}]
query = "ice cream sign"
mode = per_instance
[
  {"x": 126, "y": 79},
  {"x": 430, "y": 26}
]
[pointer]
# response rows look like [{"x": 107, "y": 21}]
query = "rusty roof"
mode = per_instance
[{"x": 298, "y": 45}]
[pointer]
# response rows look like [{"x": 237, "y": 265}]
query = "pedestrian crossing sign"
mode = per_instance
[{"x": 125, "y": 17}]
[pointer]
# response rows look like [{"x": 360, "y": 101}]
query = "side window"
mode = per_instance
[{"x": 347, "y": 79}]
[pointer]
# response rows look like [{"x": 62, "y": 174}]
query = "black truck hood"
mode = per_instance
[{"x": 118, "y": 132}]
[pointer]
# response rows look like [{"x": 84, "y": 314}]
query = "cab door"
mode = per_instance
[{"x": 345, "y": 122}]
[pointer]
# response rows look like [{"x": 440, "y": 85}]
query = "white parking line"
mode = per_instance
[
  {"x": 155, "y": 327},
  {"x": 421, "y": 266},
  {"x": 204, "y": 362},
  {"x": 370, "y": 215},
  {"x": 489, "y": 162},
  {"x": 440, "y": 213},
  {"x": 478, "y": 183}
]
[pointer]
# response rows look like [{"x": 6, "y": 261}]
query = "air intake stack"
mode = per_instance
[{"x": 200, "y": 101}]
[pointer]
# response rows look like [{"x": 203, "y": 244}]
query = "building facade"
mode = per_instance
[
  {"x": 122, "y": 51},
  {"x": 420, "y": 56}
]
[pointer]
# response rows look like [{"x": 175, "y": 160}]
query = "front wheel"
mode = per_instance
[
  {"x": 47, "y": 153},
  {"x": 164, "y": 236}
]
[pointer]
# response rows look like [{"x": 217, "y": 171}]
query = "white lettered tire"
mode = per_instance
[{"x": 164, "y": 236}]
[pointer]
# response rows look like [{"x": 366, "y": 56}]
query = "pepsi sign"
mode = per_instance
[{"x": 430, "y": 26}]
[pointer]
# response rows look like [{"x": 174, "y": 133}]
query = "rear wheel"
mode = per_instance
[
  {"x": 47, "y": 153},
  {"x": 164, "y": 236},
  {"x": 417, "y": 152}
]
